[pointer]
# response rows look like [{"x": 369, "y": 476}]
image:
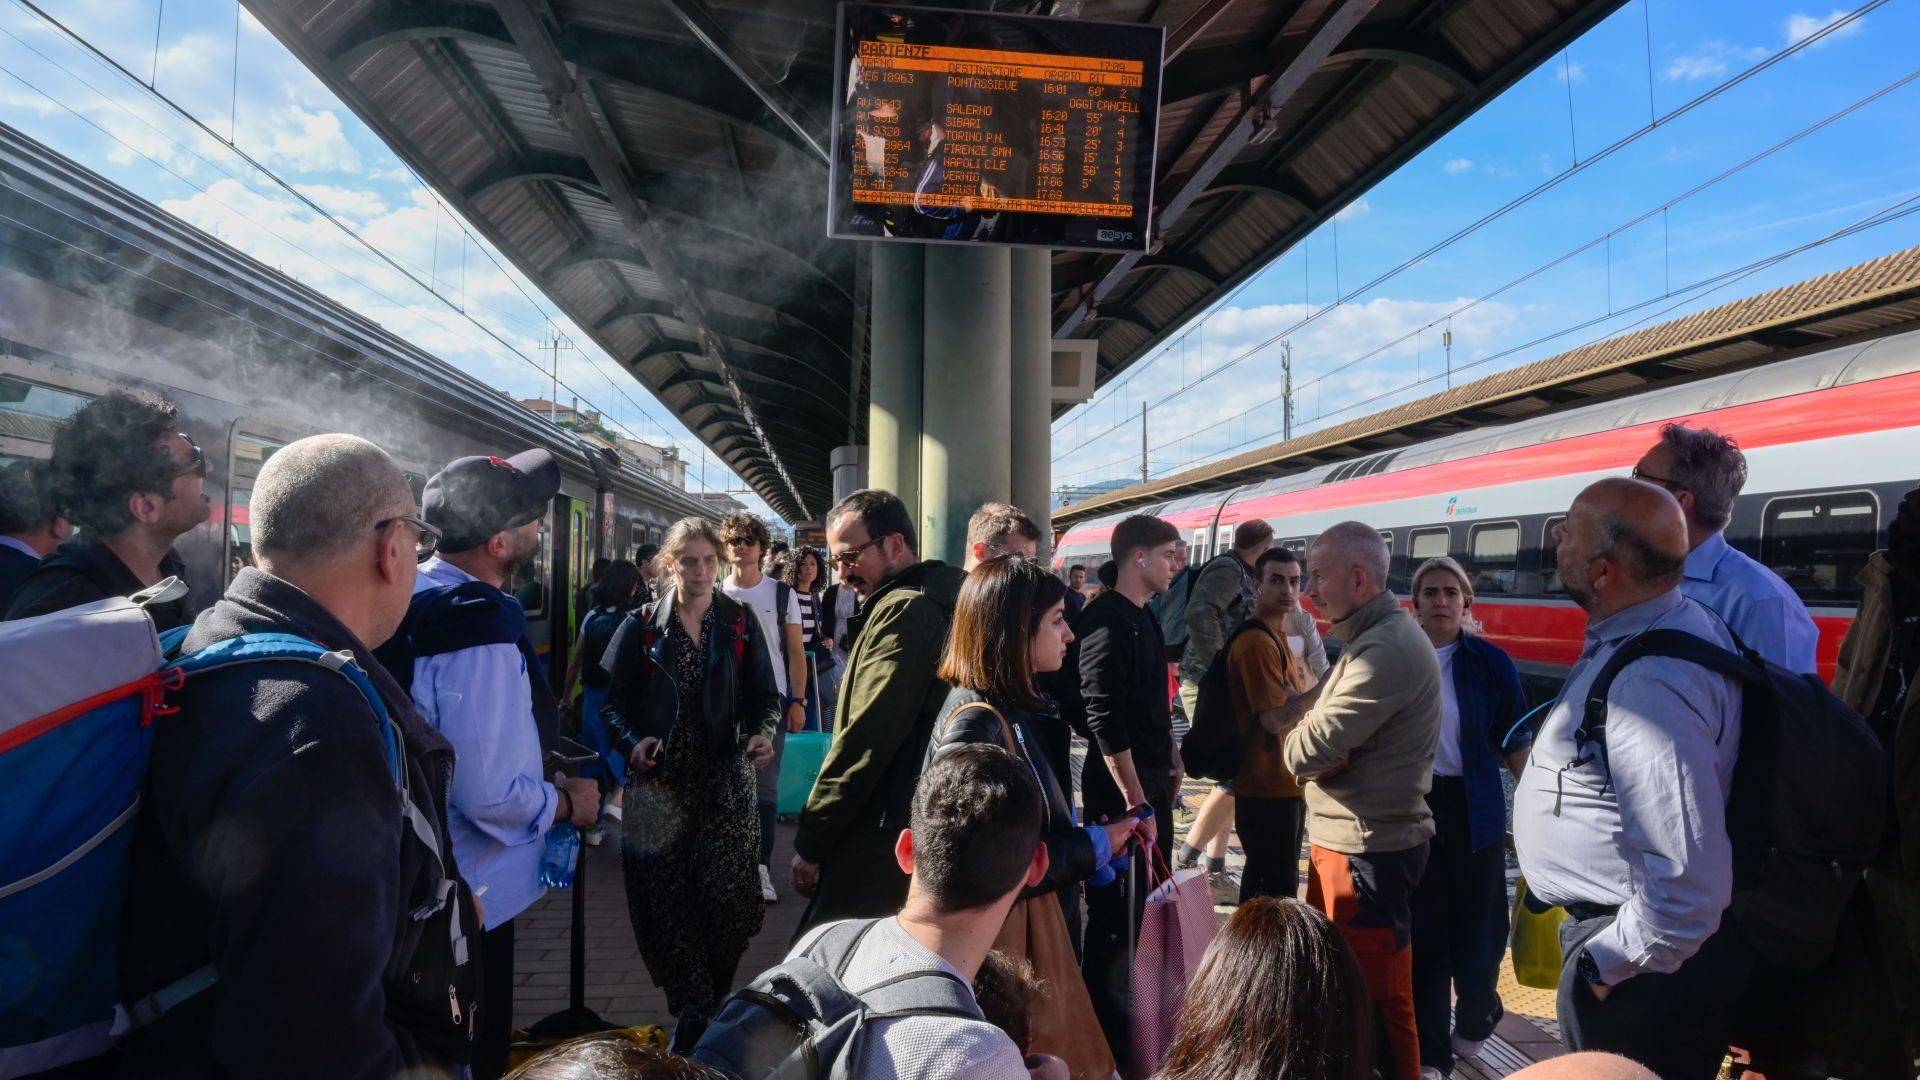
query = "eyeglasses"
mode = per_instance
[
  {"x": 196, "y": 459},
  {"x": 850, "y": 556},
  {"x": 428, "y": 541},
  {"x": 1671, "y": 485}
]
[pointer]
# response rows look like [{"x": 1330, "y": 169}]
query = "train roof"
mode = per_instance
[
  {"x": 64, "y": 224},
  {"x": 1816, "y": 369}
]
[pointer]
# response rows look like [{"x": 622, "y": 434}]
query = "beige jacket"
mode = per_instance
[{"x": 1366, "y": 748}]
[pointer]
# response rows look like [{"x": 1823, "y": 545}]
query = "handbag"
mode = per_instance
[
  {"x": 1060, "y": 1018},
  {"x": 1177, "y": 924},
  {"x": 1535, "y": 940}
]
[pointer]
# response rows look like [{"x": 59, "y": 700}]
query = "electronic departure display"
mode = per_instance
[{"x": 970, "y": 127}]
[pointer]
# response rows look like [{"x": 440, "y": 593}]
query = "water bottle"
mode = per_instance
[{"x": 563, "y": 852}]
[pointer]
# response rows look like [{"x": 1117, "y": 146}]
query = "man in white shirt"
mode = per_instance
[
  {"x": 774, "y": 603},
  {"x": 971, "y": 846}
]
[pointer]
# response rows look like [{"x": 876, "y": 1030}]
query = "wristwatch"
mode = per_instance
[
  {"x": 1588, "y": 969},
  {"x": 791, "y": 701}
]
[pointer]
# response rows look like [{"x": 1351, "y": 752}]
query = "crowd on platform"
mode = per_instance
[{"x": 347, "y": 861}]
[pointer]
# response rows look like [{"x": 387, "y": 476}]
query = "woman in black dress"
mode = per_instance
[
  {"x": 803, "y": 569},
  {"x": 692, "y": 705}
]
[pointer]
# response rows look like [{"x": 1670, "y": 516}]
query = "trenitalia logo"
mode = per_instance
[{"x": 1454, "y": 509}]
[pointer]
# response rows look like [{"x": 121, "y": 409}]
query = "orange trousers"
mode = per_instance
[{"x": 1368, "y": 897}]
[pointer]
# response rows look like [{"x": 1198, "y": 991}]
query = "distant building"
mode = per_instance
[
  {"x": 1067, "y": 496},
  {"x": 664, "y": 462},
  {"x": 720, "y": 502}
]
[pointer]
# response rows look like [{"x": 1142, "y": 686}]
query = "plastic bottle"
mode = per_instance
[{"x": 563, "y": 853}]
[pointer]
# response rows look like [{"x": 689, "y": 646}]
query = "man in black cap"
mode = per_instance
[{"x": 463, "y": 653}]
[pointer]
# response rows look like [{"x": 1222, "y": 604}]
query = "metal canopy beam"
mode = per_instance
[
  {"x": 1179, "y": 265},
  {"x": 763, "y": 286},
  {"x": 1257, "y": 179},
  {"x": 1122, "y": 315},
  {"x": 791, "y": 112},
  {"x": 563, "y": 92},
  {"x": 689, "y": 75},
  {"x": 1303, "y": 55},
  {"x": 798, "y": 341}
]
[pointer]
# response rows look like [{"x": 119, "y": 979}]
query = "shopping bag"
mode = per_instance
[
  {"x": 1176, "y": 924},
  {"x": 1535, "y": 939},
  {"x": 1060, "y": 1019}
]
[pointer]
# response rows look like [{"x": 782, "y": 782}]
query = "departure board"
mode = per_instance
[{"x": 971, "y": 127}]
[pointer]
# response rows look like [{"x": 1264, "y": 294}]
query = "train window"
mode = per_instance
[
  {"x": 1550, "y": 556},
  {"x": 1493, "y": 556},
  {"x": 1819, "y": 543},
  {"x": 29, "y": 412},
  {"x": 1425, "y": 544},
  {"x": 1297, "y": 545},
  {"x": 249, "y": 452},
  {"x": 528, "y": 584}
]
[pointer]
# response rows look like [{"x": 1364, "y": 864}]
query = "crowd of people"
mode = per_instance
[{"x": 967, "y": 890}]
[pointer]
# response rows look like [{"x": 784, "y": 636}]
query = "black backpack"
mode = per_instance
[
  {"x": 1808, "y": 801},
  {"x": 798, "y": 1020},
  {"x": 1214, "y": 747}
]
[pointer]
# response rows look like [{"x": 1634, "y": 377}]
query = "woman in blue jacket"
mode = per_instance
[{"x": 1460, "y": 906}]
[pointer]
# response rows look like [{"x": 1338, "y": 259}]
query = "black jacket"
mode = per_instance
[
  {"x": 272, "y": 843},
  {"x": 738, "y": 701},
  {"x": 1069, "y": 849},
  {"x": 1119, "y": 699},
  {"x": 15, "y": 565},
  {"x": 81, "y": 572}
]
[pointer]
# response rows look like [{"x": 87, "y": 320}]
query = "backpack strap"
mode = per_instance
[
  {"x": 916, "y": 993},
  {"x": 1006, "y": 729},
  {"x": 782, "y": 596},
  {"x": 1591, "y": 734}
]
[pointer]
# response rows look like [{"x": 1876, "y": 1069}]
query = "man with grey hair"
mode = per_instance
[
  {"x": 275, "y": 846},
  {"x": 1364, "y": 756},
  {"x": 1704, "y": 471},
  {"x": 1633, "y": 841}
]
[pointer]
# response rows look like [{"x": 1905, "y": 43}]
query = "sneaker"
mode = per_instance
[
  {"x": 766, "y": 886},
  {"x": 1428, "y": 1072},
  {"x": 1226, "y": 891},
  {"x": 594, "y": 836},
  {"x": 1467, "y": 1048},
  {"x": 1186, "y": 856}
]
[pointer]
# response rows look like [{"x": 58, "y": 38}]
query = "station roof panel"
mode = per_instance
[{"x": 657, "y": 169}]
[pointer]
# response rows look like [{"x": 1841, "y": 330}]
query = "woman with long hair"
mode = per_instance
[
  {"x": 692, "y": 705},
  {"x": 1279, "y": 996},
  {"x": 803, "y": 568},
  {"x": 1010, "y": 626},
  {"x": 1460, "y": 905},
  {"x": 611, "y": 597}
]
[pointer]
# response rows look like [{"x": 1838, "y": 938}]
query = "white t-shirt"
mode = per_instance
[
  {"x": 1446, "y": 756},
  {"x": 920, "y": 1047},
  {"x": 760, "y": 600}
]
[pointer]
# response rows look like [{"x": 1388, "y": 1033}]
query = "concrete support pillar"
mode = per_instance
[
  {"x": 966, "y": 448},
  {"x": 849, "y": 472},
  {"x": 895, "y": 361},
  {"x": 1032, "y": 479}
]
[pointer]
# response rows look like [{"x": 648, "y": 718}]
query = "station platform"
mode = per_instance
[{"x": 620, "y": 991}]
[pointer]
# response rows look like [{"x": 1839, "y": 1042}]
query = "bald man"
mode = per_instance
[
  {"x": 1633, "y": 842},
  {"x": 274, "y": 842}
]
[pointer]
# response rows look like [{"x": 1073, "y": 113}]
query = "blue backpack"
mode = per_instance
[{"x": 84, "y": 688}]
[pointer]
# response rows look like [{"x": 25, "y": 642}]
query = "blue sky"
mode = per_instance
[{"x": 1866, "y": 161}]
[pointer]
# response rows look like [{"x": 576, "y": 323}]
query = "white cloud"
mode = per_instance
[
  {"x": 310, "y": 142},
  {"x": 357, "y": 203},
  {"x": 1574, "y": 72},
  {"x": 1456, "y": 166},
  {"x": 1801, "y": 27},
  {"x": 1355, "y": 209},
  {"x": 1711, "y": 60}
]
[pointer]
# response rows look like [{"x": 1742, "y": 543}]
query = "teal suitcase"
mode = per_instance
[{"x": 799, "y": 768}]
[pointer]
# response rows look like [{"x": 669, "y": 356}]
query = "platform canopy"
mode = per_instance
[{"x": 658, "y": 168}]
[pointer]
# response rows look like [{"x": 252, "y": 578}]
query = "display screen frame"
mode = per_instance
[{"x": 848, "y": 220}]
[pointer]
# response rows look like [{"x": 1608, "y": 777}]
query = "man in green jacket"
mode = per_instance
[{"x": 889, "y": 701}]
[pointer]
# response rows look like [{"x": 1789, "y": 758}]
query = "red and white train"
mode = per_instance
[{"x": 1832, "y": 439}]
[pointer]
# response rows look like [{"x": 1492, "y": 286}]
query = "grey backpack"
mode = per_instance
[{"x": 799, "y": 1020}]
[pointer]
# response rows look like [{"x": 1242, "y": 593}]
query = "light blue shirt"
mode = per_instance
[
  {"x": 1764, "y": 610},
  {"x": 20, "y": 546},
  {"x": 502, "y": 807},
  {"x": 1645, "y": 827}
]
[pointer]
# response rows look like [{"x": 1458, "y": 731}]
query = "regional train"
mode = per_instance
[
  {"x": 1831, "y": 435},
  {"x": 103, "y": 290}
]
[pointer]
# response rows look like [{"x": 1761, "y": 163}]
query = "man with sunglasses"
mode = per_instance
[
  {"x": 464, "y": 654},
  {"x": 843, "y": 851},
  {"x": 275, "y": 843},
  {"x": 124, "y": 474},
  {"x": 1704, "y": 471}
]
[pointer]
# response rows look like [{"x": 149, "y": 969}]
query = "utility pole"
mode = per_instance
[
  {"x": 553, "y": 402},
  {"x": 1143, "y": 442},
  {"x": 1446, "y": 342},
  {"x": 1286, "y": 390}
]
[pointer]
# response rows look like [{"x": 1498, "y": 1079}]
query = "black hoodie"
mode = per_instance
[
  {"x": 272, "y": 844},
  {"x": 83, "y": 571}
]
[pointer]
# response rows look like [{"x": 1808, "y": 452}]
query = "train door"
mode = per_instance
[{"x": 251, "y": 440}]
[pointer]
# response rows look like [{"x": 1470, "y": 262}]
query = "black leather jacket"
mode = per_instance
[
  {"x": 1069, "y": 849},
  {"x": 738, "y": 701}
]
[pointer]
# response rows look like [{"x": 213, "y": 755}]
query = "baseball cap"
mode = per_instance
[{"x": 475, "y": 497}]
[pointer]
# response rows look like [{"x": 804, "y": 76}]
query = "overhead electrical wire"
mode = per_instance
[{"x": 1475, "y": 226}]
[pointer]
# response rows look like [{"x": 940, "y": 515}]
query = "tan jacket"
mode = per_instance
[{"x": 1366, "y": 748}]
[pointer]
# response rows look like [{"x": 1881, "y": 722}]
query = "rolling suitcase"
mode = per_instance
[{"x": 799, "y": 768}]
